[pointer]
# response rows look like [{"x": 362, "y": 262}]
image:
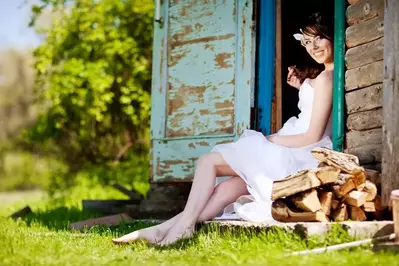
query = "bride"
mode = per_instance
[{"x": 254, "y": 161}]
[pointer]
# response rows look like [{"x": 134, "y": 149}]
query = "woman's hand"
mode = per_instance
[{"x": 292, "y": 80}]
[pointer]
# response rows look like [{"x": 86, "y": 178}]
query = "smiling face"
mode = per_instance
[{"x": 319, "y": 48}]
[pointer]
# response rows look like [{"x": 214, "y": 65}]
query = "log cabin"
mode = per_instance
[{"x": 219, "y": 67}]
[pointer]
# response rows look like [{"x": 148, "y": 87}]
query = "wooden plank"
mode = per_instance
[
  {"x": 364, "y": 99},
  {"x": 365, "y": 54},
  {"x": 131, "y": 194},
  {"x": 390, "y": 164},
  {"x": 361, "y": 138},
  {"x": 365, "y": 32},
  {"x": 364, "y": 76},
  {"x": 110, "y": 220},
  {"x": 278, "y": 111},
  {"x": 365, "y": 120},
  {"x": 363, "y": 10},
  {"x": 367, "y": 153}
]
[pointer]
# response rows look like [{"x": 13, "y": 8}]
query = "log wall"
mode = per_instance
[{"x": 364, "y": 80}]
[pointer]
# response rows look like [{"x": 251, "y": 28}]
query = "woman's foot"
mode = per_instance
[
  {"x": 152, "y": 234},
  {"x": 178, "y": 231}
]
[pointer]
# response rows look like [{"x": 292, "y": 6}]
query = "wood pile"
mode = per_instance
[{"x": 339, "y": 189}]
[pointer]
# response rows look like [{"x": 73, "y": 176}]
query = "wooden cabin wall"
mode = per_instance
[{"x": 363, "y": 80}]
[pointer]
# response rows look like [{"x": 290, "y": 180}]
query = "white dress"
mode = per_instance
[{"x": 259, "y": 162}]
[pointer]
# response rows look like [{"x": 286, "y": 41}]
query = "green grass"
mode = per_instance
[{"x": 42, "y": 238}]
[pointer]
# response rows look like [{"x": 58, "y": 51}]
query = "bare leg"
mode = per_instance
[
  {"x": 209, "y": 166},
  {"x": 224, "y": 194}
]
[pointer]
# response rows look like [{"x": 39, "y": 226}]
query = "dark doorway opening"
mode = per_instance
[{"x": 293, "y": 14}]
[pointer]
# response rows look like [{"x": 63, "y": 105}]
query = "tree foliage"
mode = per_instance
[{"x": 93, "y": 75}]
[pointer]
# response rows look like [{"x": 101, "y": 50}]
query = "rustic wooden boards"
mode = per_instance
[
  {"x": 337, "y": 190},
  {"x": 363, "y": 10},
  {"x": 390, "y": 164},
  {"x": 364, "y": 76}
]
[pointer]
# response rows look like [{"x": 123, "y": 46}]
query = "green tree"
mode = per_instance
[{"x": 93, "y": 78}]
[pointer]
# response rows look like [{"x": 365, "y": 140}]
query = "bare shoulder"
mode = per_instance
[{"x": 324, "y": 79}]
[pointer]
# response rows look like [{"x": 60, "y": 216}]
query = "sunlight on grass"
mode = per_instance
[{"x": 42, "y": 238}]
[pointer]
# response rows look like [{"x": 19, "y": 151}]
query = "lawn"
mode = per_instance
[{"x": 42, "y": 238}]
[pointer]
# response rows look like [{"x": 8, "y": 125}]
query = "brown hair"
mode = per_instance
[{"x": 318, "y": 24}]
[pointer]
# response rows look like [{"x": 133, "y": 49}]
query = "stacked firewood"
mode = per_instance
[{"x": 337, "y": 190}]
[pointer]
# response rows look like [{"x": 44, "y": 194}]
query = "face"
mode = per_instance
[{"x": 320, "y": 49}]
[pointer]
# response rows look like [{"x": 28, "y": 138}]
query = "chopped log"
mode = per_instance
[
  {"x": 365, "y": 120},
  {"x": 334, "y": 158},
  {"x": 307, "y": 201},
  {"x": 367, "y": 153},
  {"x": 304, "y": 180},
  {"x": 356, "y": 214},
  {"x": 111, "y": 220},
  {"x": 344, "y": 162},
  {"x": 340, "y": 214},
  {"x": 282, "y": 213},
  {"x": 360, "y": 138},
  {"x": 334, "y": 204},
  {"x": 345, "y": 185},
  {"x": 378, "y": 204},
  {"x": 326, "y": 199},
  {"x": 355, "y": 198},
  {"x": 370, "y": 190},
  {"x": 364, "y": 76},
  {"x": 365, "y": 32},
  {"x": 131, "y": 194},
  {"x": 363, "y": 10},
  {"x": 365, "y": 99},
  {"x": 369, "y": 206},
  {"x": 365, "y": 54},
  {"x": 373, "y": 176},
  {"x": 21, "y": 213}
]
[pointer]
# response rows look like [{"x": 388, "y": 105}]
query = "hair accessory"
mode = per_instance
[{"x": 299, "y": 36}]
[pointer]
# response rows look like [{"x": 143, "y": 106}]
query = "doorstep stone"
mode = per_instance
[{"x": 355, "y": 229}]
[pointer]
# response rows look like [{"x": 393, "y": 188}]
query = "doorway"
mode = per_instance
[{"x": 278, "y": 21}]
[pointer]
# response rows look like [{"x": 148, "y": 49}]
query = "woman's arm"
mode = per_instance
[{"x": 322, "y": 105}]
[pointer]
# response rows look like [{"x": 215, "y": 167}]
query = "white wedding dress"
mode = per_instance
[{"x": 259, "y": 162}]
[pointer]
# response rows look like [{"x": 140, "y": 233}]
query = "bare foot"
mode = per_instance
[
  {"x": 178, "y": 231},
  {"x": 152, "y": 234}
]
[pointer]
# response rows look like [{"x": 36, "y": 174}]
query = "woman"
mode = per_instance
[{"x": 255, "y": 161}]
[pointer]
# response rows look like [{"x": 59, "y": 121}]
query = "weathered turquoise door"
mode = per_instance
[{"x": 202, "y": 76}]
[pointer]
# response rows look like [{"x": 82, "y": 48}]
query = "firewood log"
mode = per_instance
[
  {"x": 282, "y": 213},
  {"x": 356, "y": 214},
  {"x": 347, "y": 163},
  {"x": 355, "y": 198},
  {"x": 369, "y": 206},
  {"x": 340, "y": 214},
  {"x": 334, "y": 204},
  {"x": 304, "y": 180},
  {"x": 326, "y": 199},
  {"x": 370, "y": 190},
  {"x": 344, "y": 185},
  {"x": 307, "y": 201}
]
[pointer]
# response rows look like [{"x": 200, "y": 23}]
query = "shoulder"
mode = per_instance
[{"x": 324, "y": 79}]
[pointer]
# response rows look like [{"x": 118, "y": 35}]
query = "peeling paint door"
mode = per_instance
[{"x": 202, "y": 72}]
